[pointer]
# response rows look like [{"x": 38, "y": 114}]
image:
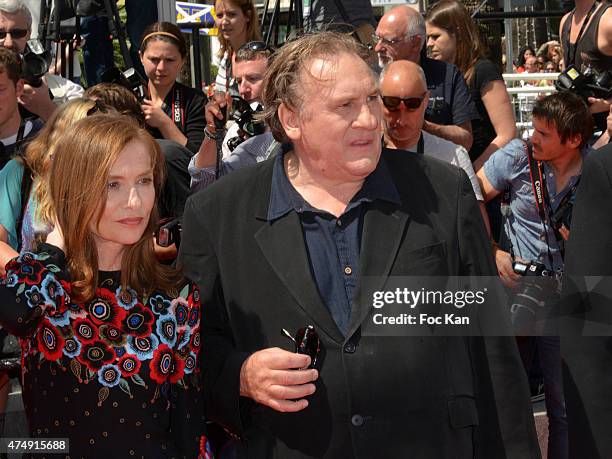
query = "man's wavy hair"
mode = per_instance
[
  {"x": 569, "y": 114},
  {"x": 283, "y": 83}
]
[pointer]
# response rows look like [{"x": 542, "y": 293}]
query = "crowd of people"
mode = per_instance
[{"x": 189, "y": 276}]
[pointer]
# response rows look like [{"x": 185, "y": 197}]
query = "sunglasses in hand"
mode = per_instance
[{"x": 306, "y": 342}]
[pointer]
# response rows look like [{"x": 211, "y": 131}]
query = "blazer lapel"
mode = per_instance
[
  {"x": 282, "y": 243},
  {"x": 383, "y": 228}
]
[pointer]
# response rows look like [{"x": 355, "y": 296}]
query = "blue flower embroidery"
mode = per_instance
[
  {"x": 72, "y": 347},
  {"x": 126, "y": 297},
  {"x": 166, "y": 330},
  {"x": 60, "y": 320},
  {"x": 35, "y": 297},
  {"x": 143, "y": 348},
  {"x": 109, "y": 375},
  {"x": 159, "y": 305},
  {"x": 51, "y": 288}
]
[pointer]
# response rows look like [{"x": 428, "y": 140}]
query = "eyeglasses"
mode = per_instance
[
  {"x": 306, "y": 342},
  {"x": 15, "y": 33},
  {"x": 386, "y": 41},
  {"x": 411, "y": 103}
]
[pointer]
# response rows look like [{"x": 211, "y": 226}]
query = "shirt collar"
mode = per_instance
[{"x": 284, "y": 197}]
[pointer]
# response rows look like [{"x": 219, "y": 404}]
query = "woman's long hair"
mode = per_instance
[
  {"x": 43, "y": 148},
  {"x": 252, "y": 33},
  {"x": 452, "y": 16},
  {"x": 78, "y": 187}
]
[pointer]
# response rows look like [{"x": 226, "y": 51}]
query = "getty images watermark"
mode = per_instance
[{"x": 443, "y": 306}]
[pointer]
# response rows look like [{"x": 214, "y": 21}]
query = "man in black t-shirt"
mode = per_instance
[{"x": 400, "y": 35}]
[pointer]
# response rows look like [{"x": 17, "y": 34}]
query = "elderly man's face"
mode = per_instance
[
  {"x": 337, "y": 128},
  {"x": 403, "y": 123},
  {"x": 16, "y": 29},
  {"x": 392, "y": 43},
  {"x": 531, "y": 65}
]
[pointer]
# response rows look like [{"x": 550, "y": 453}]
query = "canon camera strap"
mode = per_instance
[{"x": 177, "y": 112}]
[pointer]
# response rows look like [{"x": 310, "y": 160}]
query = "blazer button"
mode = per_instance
[
  {"x": 357, "y": 420},
  {"x": 350, "y": 348}
]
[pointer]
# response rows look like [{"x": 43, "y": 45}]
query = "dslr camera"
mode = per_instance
[
  {"x": 590, "y": 83},
  {"x": 129, "y": 79},
  {"x": 536, "y": 292},
  {"x": 244, "y": 115},
  {"x": 35, "y": 62}
]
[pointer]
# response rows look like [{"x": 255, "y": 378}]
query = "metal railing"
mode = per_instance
[{"x": 525, "y": 89}]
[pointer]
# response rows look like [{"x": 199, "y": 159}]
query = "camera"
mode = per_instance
[
  {"x": 244, "y": 115},
  {"x": 533, "y": 268},
  {"x": 537, "y": 291},
  {"x": 169, "y": 232},
  {"x": 35, "y": 62},
  {"x": 129, "y": 79},
  {"x": 590, "y": 83}
]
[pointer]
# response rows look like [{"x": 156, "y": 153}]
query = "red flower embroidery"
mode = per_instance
[
  {"x": 85, "y": 330},
  {"x": 50, "y": 342},
  {"x": 129, "y": 365},
  {"x": 105, "y": 310},
  {"x": 95, "y": 355},
  {"x": 165, "y": 366},
  {"x": 138, "y": 321}
]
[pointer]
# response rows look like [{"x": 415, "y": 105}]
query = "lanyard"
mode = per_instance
[
  {"x": 420, "y": 146},
  {"x": 574, "y": 48},
  {"x": 177, "y": 112}
]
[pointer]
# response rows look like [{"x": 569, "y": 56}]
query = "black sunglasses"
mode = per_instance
[
  {"x": 15, "y": 33},
  {"x": 306, "y": 342},
  {"x": 411, "y": 103},
  {"x": 257, "y": 46}
]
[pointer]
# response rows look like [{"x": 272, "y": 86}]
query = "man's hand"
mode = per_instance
[
  {"x": 599, "y": 105},
  {"x": 37, "y": 100},
  {"x": 213, "y": 110},
  {"x": 503, "y": 260},
  {"x": 154, "y": 115},
  {"x": 271, "y": 377}
]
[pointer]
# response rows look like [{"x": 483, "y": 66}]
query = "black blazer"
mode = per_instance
[
  {"x": 376, "y": 396},
  {"x": 587, "y": 377}
]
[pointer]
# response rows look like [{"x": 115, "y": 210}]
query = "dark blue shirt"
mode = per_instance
[
  {"x": 450, "y": 102},
  {"x": 333, "y": 244}
]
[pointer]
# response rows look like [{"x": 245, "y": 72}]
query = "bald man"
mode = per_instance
[
  {"x": 400, "y": 35},
  {"x": 405, "y": 96}
]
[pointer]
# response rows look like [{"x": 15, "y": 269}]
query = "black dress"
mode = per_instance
[{"x": 117, "y": 376}]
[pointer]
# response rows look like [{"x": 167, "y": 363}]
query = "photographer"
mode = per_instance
[
  {"x": 586, "y": 39},
  {"x": 40, "y": 97},
  {"x": 536, "y": 226},
  {"x": 249, "y": 69},
  {"x": 13, "y": 129}
]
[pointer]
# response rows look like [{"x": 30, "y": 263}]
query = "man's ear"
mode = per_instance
[
  {"x": 289, "y": 119},
  {"x": 574, "y": 141},
  {"x": 19, "y": 88}
]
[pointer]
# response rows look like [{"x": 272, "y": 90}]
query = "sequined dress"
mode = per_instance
[{"x": 117, "y": 376}]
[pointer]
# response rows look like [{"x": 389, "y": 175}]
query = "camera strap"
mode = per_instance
[
  {"x": 540, "y": 193},
  {"x": 178, "y": 112}
]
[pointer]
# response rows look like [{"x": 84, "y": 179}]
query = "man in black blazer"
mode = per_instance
[
  {"x": 291, "y": 241},
  {"x": 586, "y": 322}
]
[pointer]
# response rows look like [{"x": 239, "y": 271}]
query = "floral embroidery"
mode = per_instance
[
  {"x": 109, "y": 375},
  {"x": 126, "y": 297},
  {"x": 108, "y": 339}
]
